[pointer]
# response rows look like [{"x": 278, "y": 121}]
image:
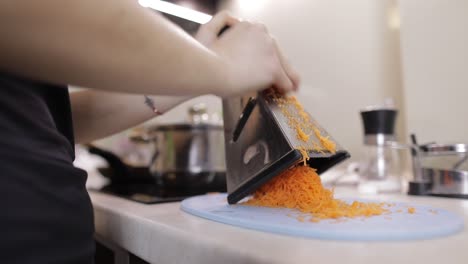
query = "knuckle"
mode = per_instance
[
  {"x": 273, "y": 40},
  {"x": 225, "y": 14},
  {"x": 245, "y": 24},
  {"x": 270, "y": 41},
  {"x": 262, "y": 27}
]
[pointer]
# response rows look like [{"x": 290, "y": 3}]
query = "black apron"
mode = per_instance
[{"x": 46, "y": 214}]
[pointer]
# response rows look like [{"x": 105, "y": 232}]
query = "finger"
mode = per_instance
[
  {"x": 289, "y": 70},
  {"x": 209, "y": 31},
  {"x": 282, "y": 81},
  {"x": 221, "y": 20}
]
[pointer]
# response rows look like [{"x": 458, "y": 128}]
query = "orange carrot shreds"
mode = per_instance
[
  {"x": 300, "y": 121},
  {"x": 305, "y": 155},
  {"x": 325, "y": 141},
  {"x": 300, "y": 188},
  {"x": 411, "y": 210},
  {"x": 301, "y": 135},
  {"x": 301, "y": 218}
]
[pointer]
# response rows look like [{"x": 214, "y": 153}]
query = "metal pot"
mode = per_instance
[
  {"x": 439, "y": 169},
  {"x": 187, "y": 155}
]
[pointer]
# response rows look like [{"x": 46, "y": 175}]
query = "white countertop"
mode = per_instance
[{"x": 162, "y": 233}]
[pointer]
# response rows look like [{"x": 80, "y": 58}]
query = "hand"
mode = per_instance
[
  {"x": 208, "y": 33},
  {"x": 252, "y": 58}
]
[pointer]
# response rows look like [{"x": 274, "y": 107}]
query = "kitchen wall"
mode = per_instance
[
  {"x": 435, "y": 61},
  {"x": 346, "y": 51}
]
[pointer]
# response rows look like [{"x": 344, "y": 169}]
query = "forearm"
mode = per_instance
[
  {"x": 115, "y": 45},
  {"x": 98, "y": 114}
]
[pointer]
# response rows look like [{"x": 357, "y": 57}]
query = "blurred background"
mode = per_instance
[{"x": 353, "y": 54}]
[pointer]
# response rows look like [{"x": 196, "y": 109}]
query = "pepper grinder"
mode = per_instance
[{"x": 381, "y": 170}]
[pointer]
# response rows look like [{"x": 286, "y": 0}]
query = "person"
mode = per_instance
[{"x": 120, "y": 51}]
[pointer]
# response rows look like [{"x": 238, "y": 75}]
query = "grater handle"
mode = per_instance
[{"x": 249, "y": 107}]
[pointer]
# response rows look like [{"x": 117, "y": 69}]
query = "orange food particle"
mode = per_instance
[
  {"x": 301, "y": 188},
  {"x": 325, "y": 141},
  {"x": 301, "y": 218},
  {"x": 305, "y": 155},
  {"x": 301, "y": 135},
  {"x": 411, "y": 210},
  {"x": 299, "y": 120}
]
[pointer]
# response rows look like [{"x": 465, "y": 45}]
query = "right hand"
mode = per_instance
[{"x": 252, "y": 58}]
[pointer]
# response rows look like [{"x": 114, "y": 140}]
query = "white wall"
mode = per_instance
[
  {"x": 346, "y": 52},
  {"x": 434, "y": 41}
]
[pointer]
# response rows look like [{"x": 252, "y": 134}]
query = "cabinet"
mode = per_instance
[{"x": 109, "y": 253}]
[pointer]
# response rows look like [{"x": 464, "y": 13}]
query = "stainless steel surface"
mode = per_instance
[
  {"x": 379, "y": 139},
  {"x": 378, "y": 108},
  {"x": 447, "y": 182},
  {"x": 439, "y": 166},
  {"x": 291, "y": 134},
  {"x": 265, "y": 143},
  {"x": 187, "y": 148},
  {"x": 433, "y": 150},
  {"x": 418, "y": 175},
  {"x": 443, "y": 149},
  {"x": 188, "y": 154},
  {"x": 260, "y": 143}
]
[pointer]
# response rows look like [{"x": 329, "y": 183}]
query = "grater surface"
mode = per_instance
[
  {"x": 295, "y": 121},
  {"x": 267, "y": 142}
]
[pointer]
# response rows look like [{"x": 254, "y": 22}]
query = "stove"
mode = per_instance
[{"x": 149, "y": 192}]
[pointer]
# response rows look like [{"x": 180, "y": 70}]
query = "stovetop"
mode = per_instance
[{"x": 149, "y": 192}]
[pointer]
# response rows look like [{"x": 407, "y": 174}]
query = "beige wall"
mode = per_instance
[
  {"x": 346, "y": 52},
  {"x": 434, "y": 41}
]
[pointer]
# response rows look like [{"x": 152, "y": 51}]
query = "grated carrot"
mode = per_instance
[
  {"x": 301, "y": 188},
  {"x": 305, "y": 155},
  {"x": 301, "y": 135},
  {"x": 300, "y": 121}
]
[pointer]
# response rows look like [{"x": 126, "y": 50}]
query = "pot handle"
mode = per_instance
[{"x": 119, "y": 169}]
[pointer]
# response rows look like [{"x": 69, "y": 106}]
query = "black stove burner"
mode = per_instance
[{"x": 151, "y": 193}]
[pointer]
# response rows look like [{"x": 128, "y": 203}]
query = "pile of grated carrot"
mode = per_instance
[{"x": 301, "y": 188}]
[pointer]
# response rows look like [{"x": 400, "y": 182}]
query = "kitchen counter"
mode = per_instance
[{"x": 162, "y": 233}]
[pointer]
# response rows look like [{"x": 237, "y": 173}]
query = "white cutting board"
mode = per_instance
[{"x": 425, "y": 223}]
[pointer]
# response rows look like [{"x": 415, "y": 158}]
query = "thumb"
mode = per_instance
[{"x": 282, "y": 82}]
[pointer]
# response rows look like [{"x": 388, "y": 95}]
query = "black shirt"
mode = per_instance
[{"x": 46, "y": 214}]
